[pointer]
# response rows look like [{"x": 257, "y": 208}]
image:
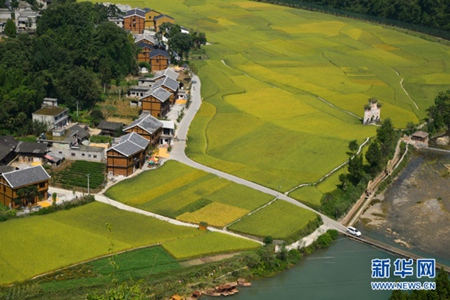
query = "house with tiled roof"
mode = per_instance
[
  {"x": 12, "y": 182},
  {"x": 150, "y": 15},
  {"x": 134, "y": 20},
  {"x": 7, "y": 146},
  {"x": 159, "y": 60},
  {"x": 169, "y": 72},
  {"x": 110, "y": 128},
  {"x": 144, "y": 51},
  {"x": 169, "y": 85},
  {"x": 156, "y": 103},
  {"x": 146, "y": 126},
  {"x": 31, "y": 152},
  {"x": 127, "y": 155},
  {"x": 161, "y": 19}
]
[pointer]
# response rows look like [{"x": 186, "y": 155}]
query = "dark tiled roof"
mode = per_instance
[
  {"x": 78, "y": 130},
  {"x": 31, "y": 147},
  {"x": 135, "y": 12},
  {"x": 147, "y": 123},
  {"x": 130, "y": 144},
  {"x": 159, "y": 52},
  {"x": 170, "y": 83},
  {"x": 162, "y": 16},
  {"x": 105, "y": 125},
  {"x": 7, "y": 145},
  {"x": 142, "y": 44},
  {"x": 25, "y": 177},
  {"x": 160, "y": 94},
  {"x": 4, "y": 169}
]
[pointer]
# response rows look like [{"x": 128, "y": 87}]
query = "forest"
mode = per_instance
[
  {"x": 428, "y": 13},
  {"x": 75, "y": 52}
]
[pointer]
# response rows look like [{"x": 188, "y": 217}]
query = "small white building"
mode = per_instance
[
  {"x": 372, "y": 112},
  {"x": 168, "y": 133},
  {"x": 51, "y": 114}
]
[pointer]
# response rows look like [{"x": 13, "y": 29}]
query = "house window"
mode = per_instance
[
  {"x": 82, "y": 154},
  {"x": 95, "y": 156},
  {"x": 73, "y": 154},
  {"x": 60, "y": 152},
  {"x": 89, "y": 155},
  {"x": 41, "y": 185}
]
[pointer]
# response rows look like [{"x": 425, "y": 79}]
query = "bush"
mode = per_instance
[{"x": 268, "y": 240}]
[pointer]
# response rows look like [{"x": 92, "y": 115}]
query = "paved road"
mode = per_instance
[{"x": 178, "y": 154}]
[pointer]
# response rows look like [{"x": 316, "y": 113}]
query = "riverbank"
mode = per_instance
[{"x": 414, "y": 211}]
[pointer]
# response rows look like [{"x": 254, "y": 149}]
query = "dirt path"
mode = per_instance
[{"x": 401, "y": 84}]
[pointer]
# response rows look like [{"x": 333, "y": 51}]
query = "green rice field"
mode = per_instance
[
  {"x": 187, "y": 194},
  {"x": 39, "y": 244},
  {"x": 280, "y": 220},
  {"x": 209, "y": 243},
  {"x": 262, "y": 118},
  {"x": 75, "y": 175}
]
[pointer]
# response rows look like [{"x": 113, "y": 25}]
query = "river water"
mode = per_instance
[{"x": 414, "y": 209}]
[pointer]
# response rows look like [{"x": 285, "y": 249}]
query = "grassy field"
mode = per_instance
[
  {"x": 188, "y": 194},
  {"x": 210, "y": 243},
  {"x": 39, "y": 244},
  {"x": 262, "y": 119},
  {"x": 279, "y": 220}
]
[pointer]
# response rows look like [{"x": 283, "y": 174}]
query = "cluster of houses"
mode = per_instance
[
  {"x": 24, "y": 16},
  {"x": 21, "y": 162}
]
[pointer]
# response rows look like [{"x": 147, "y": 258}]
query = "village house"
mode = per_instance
[
  {"x": 51, "y": 114},
  {"x": 144, "y": 51},
  {"x": 418, "y": 139},
  {"x": 134, "y": 20},
  {"x": 110, "y": 128},
  {"x": 159, "y": 60},
  {"x": 146, "y": 37},
  {"x": 12, "y": 182},
  {"x": 7, "y": 146},
  {"x": 128, "y": 155},
  {"x": 150, "y": 15},
  {"x": 161, "y": 19},
  {"x": 146, "y": 126},
  {"x": 117, "y": 20},
  {"x": 26, "y": 19},
  {"x": 156, "y": 103},
  {"x": 168, "y": 133},
  {"x": 31, "y": 152},
  {"x": 138, "y": 91},
  {"x": 169, "y": 85},
  {"x": 5, "y": 14}
]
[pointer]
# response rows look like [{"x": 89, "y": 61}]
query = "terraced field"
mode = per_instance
[
  {"x": 262, "y": 118},
  {"x": 187, "y": 194}
]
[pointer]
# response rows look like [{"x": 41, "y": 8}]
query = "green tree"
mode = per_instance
[
  {"x": 443, "y": 285},
  {"x": 10, "y": 29},
  {"x": 181, "y": 43},
  {"x": 356, "y": 169},
  {"x": 353, "y": 146},
  {"x": 268, "y": 240},
  {"x": 387, "y": 137},
  {"x": 27, "y": 195},
  {"x": 374, "y": 157}
]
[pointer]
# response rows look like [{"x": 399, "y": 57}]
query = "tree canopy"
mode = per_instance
[{"x": 76, "y": 50}]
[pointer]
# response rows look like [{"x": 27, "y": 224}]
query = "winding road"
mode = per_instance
[{"x": 178, "y": 154}]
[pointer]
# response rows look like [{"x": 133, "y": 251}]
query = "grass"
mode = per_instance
[
  {"x": 43, "y": 242},
  {"x": 178, "y": 191},
  {"x": 209, "y": 243},
  {"x": 279, "y": 220},
  {"x": 261, "y": 118}
]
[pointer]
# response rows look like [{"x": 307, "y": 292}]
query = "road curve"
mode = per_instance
[{"x": 178, "y": 154}]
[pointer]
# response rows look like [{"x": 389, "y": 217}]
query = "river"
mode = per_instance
[{"x": 414, "y": 209}]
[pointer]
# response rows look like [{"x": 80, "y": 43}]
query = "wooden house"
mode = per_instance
[
  {"x": 134, "y": 20},
  {"x": 156, "y": 103},
  {"x": 159, "y": 60},
  {"x": 150, "y": 15},
  {"x": 161, "y": 19},
  {"x": 146, "y": 38},
  {"x": 148, "y": 127},
  {"x": 110, "y": 128},
  {"x": 128, "y": 155},
  {"x": 12, "y": 182},
  {"x": 169, "y": 72},
  {"x": 169, "y": 85},
  {"x": 145, "y": 50}
]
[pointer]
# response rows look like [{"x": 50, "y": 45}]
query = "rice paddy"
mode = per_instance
[
  {"x": 261, "y": 118},
  {"x": 187, "y": 194}
]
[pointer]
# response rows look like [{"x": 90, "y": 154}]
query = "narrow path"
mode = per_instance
[
  {"x": 329, "y": 173},
  {"x": 401, "y": 84},
  {"x": 178, "y": 154}
]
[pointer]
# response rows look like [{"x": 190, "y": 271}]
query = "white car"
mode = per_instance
[{"x": 353, "y": 231}]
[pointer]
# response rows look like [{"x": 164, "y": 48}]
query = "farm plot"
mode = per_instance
[
  {"x": 209, "y": 243},
  {"x": 56, "y": 240},
  {"x": 188, "y": 194},
  {"x": 281, "y": 220},
  {"x": 75, "y": 174}
]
